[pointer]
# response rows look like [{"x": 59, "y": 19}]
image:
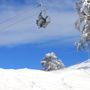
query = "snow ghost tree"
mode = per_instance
[
  {"x": 50, "y": 62},
  {"x": 83, "y": 24}
]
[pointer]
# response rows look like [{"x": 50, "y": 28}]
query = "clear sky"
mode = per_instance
[{"x": 23, "y": 45}]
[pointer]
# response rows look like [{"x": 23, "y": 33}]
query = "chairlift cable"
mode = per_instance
[
  {"x": 13, "y": 24},
  {"x": 19, "y": 14}
]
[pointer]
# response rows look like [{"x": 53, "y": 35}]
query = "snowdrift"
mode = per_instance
[{"x": 76, "y": 77}]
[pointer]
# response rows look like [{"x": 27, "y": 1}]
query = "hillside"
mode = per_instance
[{"x": 76, "y": 77}]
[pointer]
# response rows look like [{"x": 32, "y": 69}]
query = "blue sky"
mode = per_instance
[{"x": 23, "y": 45}]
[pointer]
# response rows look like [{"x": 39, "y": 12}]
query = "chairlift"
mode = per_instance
[{"x": 42, "y": 20}]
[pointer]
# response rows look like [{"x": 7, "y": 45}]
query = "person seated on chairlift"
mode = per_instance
[{"x": 42, "y": 21}]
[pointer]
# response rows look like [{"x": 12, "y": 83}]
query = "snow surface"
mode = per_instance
[{"x": 76, "y": 77}]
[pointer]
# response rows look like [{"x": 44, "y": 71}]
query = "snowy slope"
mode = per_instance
[{"x": 76, "y": 77}]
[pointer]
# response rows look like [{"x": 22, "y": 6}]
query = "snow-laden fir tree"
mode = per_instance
[
  {"x": 83, "y": 24},
  {"x": 50, "y": 62}
]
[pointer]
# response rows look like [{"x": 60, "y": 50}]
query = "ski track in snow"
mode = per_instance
[{"x": 76, "y": 77}]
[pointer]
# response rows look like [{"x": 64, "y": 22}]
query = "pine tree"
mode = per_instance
[{"x": 50, "y": 62}]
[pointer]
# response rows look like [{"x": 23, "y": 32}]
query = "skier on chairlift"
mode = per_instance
[{"x": 42, "y": 21}]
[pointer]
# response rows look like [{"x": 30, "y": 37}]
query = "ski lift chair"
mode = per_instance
[{"x": 42, "y": 21}]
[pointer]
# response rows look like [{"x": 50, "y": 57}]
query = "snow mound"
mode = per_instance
[
  {"x": 83, "y": 65},
  {"x": 76, "y": 77}
]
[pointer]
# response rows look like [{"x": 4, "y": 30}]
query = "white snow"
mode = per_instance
[{"x": 76, "y": 77}]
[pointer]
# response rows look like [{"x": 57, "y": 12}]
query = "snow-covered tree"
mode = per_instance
[
  {"x": 50, "y": 62},
  {"x": 83, "y": 24}
]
